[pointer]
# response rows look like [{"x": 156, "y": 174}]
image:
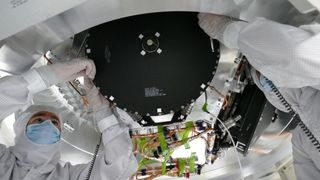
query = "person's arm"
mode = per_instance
[
  {"x": 287, "y": 55},
  {"x": 117, "y": 161},
  {"x": 16, "y": 92}
]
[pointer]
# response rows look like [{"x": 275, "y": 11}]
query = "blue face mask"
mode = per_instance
[
  {"x": 43, "y": 133},
  {"x": 265, "y": 85}
]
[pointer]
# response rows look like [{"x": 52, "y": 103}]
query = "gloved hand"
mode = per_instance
[
  {"x": 213, "y": 25},
  {"x": 96, "y": 100},
  {"x": 39, "y": 79},
  {"x": 103, "y": 116},
  {"x": 67, "y": 71}
]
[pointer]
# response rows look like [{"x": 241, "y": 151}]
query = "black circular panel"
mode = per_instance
[{"x": 152, "y": 61}]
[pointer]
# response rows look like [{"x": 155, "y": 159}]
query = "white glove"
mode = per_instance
[
  {"x": 45, "y": 76},
  {"x": 103, "y": 116},
  {"x": 95, "y": 98},
  {"x": 69, "y": 70},
  {"x": 213, "y": 25}
]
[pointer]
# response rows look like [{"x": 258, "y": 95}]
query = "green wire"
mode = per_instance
[
  {"x": 192, "y": 162},
  {"x": 185, "y": 135},
  {"x": 163, "y": 143},
  {"x": 141, "y": 143},
  {"x": 182, "y": 164}
]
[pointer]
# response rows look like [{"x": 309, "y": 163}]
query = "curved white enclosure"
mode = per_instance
[{"x": 39, "y": 27}]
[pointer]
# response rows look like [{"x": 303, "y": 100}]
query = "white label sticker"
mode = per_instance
[{"x": 153, "y": 92}]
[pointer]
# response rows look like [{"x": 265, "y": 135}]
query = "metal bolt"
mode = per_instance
[
  {"x": 140, "y": 36},
  {"x": 149, "y": 42},
  {"x": 159, "y": 51},
  {"x": 157, "y": 34}
]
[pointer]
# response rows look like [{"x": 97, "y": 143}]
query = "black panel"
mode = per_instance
[
  {"x": 250, "y": 105},
  {"x": 166, "y": 80}
]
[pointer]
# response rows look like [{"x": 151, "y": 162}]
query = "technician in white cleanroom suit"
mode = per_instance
[
  {"x": 36, "y": 152},
  {"x": 290, "y": 57}
]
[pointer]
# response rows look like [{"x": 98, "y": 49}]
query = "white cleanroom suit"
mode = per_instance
[
  {"x": 30, "y": 161},
  {"x": 290, "y": 57}
]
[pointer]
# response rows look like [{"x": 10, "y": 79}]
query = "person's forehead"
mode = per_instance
[{"x": 46, "y": 113}]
